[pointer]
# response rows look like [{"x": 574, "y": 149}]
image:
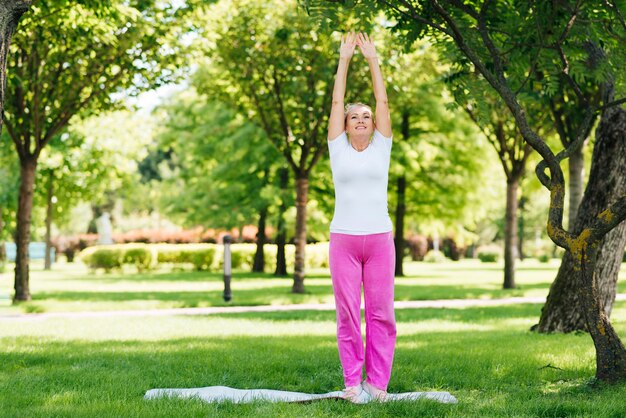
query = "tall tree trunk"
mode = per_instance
[
  {"x": 10, "y": 13},
  {"x": 3, "y": 253},
  {"x": 399, "y": 238},
  {"x": 281, "y": 234},
  {"x": 49, "y": 214},
  {"x": 576, "y": 166},
  {"x": 510, "y": 233},
  {"x": 302, "y": 191},
  {"x": 259, "y": 260},
  {"x": 610, "y": 351},
  {"x": 22, "y": 239},
  {"x": 520, "y": 235},
  {"x": 562, "y": 311}
]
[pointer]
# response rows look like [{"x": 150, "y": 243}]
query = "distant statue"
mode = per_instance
[{"x": 103, "y": 224}]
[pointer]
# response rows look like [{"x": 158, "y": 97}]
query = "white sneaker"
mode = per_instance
[
  {"x": 356, "y": 394},
  {"x": 373, "y": 392}
]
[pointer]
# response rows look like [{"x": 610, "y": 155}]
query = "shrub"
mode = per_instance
[
  {"x": 486, "y": 257},
  {"x": 104, "y": 258},
  {"x": 418, "y": 247},
  {"x": 489, "y": 253},
  {"x": 543, "y": 258},
  {"x": 201, "y": 259},
  {"x": 451, "y": 250},
  {"x": 140, "y": 257}
]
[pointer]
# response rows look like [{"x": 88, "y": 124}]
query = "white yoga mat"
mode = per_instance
[{"x": 224, "y": 393}]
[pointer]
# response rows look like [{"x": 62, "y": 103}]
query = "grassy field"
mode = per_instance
[
  {"x": 70, "y": 287},
  {"x": 485, "y": 356}
]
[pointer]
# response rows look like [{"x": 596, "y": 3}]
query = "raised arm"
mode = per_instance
[
  {"x": 383, "y": 118},
  {"x": 336, "y": 122}
]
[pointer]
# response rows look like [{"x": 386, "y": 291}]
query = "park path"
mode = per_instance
[{"x": 410, "y": 304}]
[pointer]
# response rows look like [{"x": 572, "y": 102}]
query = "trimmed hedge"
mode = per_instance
[{"x": 200, "y": 257}]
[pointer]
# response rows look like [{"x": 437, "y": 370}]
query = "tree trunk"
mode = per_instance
[
  {"x": 576, "y": 165},
  {"x": 281, "y": 234},
  {"x": 3, "y": 253},
  {"x": 520, "y": 234},
  {"x": 259, "y": 260},
  {"x": 10, "y": 13},
  {"x": 22, "y": 239},
  {"x": 302, "y": 191},
  {"x": 399, "y": 238},
  {"x": 610, "y": 351},
  {"x": 510, "y": 233},
  {"x": 49, "y": 214},
  {"x": 562, "y": 311}
]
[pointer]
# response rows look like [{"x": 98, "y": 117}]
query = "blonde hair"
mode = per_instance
[{"x": 351, "y": 106}]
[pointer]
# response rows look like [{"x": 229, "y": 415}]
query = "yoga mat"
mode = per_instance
[{"x": 224, "y": 393}]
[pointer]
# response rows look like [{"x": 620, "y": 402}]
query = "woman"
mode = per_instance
[{"x": 362, "y": 251}]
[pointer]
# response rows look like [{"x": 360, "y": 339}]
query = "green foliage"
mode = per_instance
[
  {"x": 141, "y": 258},
  {"x": 104, "y": 258},
  {"x": 202, "y": 139},
  {"x": 202, "y": 260},
  {"x": 489, "y": 254},
  {"x": 267, "y": 60},
  {"x": 543, "y": 258}
]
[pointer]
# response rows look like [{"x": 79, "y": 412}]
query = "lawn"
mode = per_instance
[
  {"x": 71, "y": 287},
  {"x": 485, "y": 356}
]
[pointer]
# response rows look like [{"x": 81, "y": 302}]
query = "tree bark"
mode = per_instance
[
  {"x": 259, "y": 260},
  {"x": 510, "y": 233},
  {"x": 49, "y": 214},
  {"x": 520, "y": 234},
  {"x": 3, "y": 253},
  {"x": 10, "y": 13},
  {"x": 399, "y": 238},
  {"x": 562, "y": 311},
  {"x": 24, "y": 211},
  {"x": 610, "y": 351},
  {"x": 281, "y": 234},
  {"x": 302, "y": 191},
  {"x": 576, "y": 166}
]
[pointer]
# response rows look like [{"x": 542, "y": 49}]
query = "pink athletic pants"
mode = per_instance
[{"x": 368, "y": 261}]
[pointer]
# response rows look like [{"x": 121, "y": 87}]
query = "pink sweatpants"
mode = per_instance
[{"x": 367, "y": 260}]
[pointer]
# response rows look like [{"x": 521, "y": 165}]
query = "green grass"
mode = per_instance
[
  {"x": 484, "y": 356},
  {"x": 70, "y": 287}
]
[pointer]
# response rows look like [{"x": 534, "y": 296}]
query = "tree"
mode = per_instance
[
  {"x": 498, "y": 42},
  {"x": 202, "y": 139},
  {"x": 267, "y": 60},
  {"x": 562, "y": 311},
  {"x": 434, "y": 186},
  {"x": 104, "y": 48},
  {"x": 490, "y": 115}
]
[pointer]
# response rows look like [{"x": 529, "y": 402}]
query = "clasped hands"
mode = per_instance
[{"x": 350, "y": 40}]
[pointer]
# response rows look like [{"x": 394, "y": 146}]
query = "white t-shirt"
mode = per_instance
[{"x": 360, "y": 180}]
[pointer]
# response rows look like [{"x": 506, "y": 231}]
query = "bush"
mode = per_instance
[
  {"x": 202, "y": 260},
  {"x": 489, "y": 253},
  {"x": 451, "y": 250},
  {"x": 543, "y": 258},
  {"x": 418, "y": 247},
  {"x": 104, "y": 258},
  {"x": 140, "y": 257}
]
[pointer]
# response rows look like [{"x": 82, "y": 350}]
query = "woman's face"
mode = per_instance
[{"x": 360, "y": 122}]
